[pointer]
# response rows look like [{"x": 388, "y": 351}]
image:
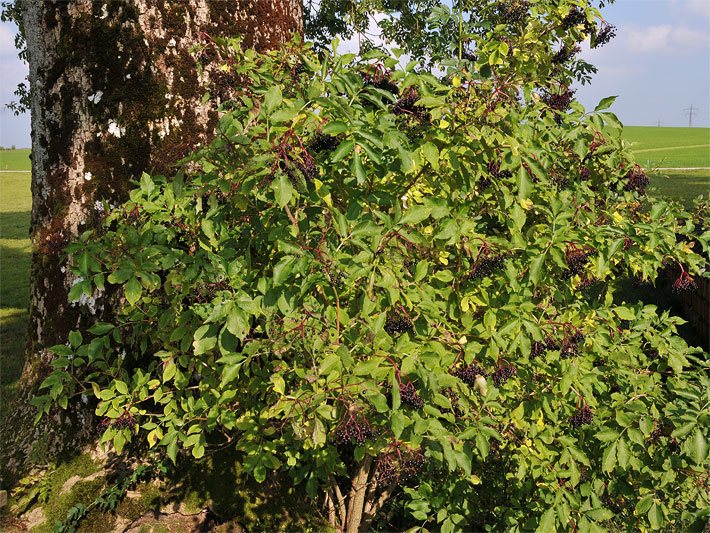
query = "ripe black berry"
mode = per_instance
[
  {"x": 398, "y": 324},
  {"x": 603, "y": 35},
  {"x": 512, "y": 11},
  {"x": 504, "y": 372},
  {"x": 559, "y": 101},
  {"x": 409, "y": 395},
  {"x": 322, "y": 143},
  {"x": 565, "y": 53},
  {"x": 583, "y": 416},
  {"x": 406, "y": 105},
  {"x": 468, "y": 373},
  {"x": 575, "y": 17},
  {"x": 487, "y": 261},
  {"x": 576, "y": 259},
  {"x": 684, "y": 283},
  {"x": 636, "y": 180},
  {"x": 381, "y": 78},
  {"x": 570, "y": 344},
  {"x": 353, "y": 428}
]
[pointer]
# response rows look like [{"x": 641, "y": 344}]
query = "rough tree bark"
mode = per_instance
[{"x": 115, "y": 91}]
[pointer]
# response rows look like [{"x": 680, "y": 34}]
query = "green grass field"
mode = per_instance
[
  {"x": 15, "y": 159},
  {"x": 15, "y": 255},
  {"x": 669, "y": 147}
]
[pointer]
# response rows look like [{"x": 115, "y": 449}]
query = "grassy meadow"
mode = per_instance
[
  {"x": 669, "y": 147},
  {"x": 15, "y": 159},
  {"x": 15, "y": 255}
]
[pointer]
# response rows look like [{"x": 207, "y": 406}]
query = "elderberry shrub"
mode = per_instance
[
  {"x": 409, "y": 395},
  {"x": 399, "y": 466},
  {"x": 412, "y": 465},
  {"x": 386, "y": 471},
  {"x": 468, "y": 373},
  {"x": 353, "y": 429},
  {"x": 503, "y": 373},
  {"x": 398, "y": 324},
  {"x": 582, "y": 417}
]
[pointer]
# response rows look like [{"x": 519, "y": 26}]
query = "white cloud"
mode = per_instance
[
  {"x": 700, "y": 7},
  {"x": 665, "y": 39}
]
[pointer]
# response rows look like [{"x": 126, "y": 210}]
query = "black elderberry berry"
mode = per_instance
[
  {"x": 398, "y": 324},
  {"x": 636, "y": 180},
  {"x": 575, "y": 17},
  {"x": 353, "y": 429},
  {"x": 565, "y": 53},
  {"x": 605, "y": 34},
  {"x": 321, "y": 143},
  {"x": 684, "y": 283},
  {"x": 409, "y": 395},
  {"x": 582, "y": 417},
  {"x": 386, "y": 471},
  {"x": 570, "y": 345},
  {"x": 468, "y": 373},
  {"x": 512, "y": 11},
  {"x": 559, "y": 101},
  {"x": 503, "y": 373},
  {"x": 576, "y": 261}
]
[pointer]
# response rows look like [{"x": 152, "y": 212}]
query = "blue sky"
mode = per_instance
[{"x": 659, "y": 65}]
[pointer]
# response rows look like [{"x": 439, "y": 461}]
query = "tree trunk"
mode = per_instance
[{"x": 115, "y": 91}]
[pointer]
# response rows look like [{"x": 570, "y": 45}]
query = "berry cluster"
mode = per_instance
[
  {"x": 399, "y": 465},
  {"x": 559, "y": 101},
  {"x": 586, "y": 281},
  {"x": 397, "y": 324},
  {"x": 409, "y": 395},
  {"x": 125, "y": 421},
  {"x": 684, "y": 283},
  {"x": 584, "y": 173},
  {"x": 565, "y": 53},
  {"x": 576, "y": 260},
  {"x": 603, "y": 35},
  {"x": 583, "y": 416},
  {"x": 381, "y": 78},
  {"x": 353, "y": 428},
  {"x": 512, "y": 11},
  {"x": 487, "y": 261},
  {"x": 575, "y": 17},
  {"x": 406, "y": 105},
  {"x": 503, "y": 373},
  {"x": 571, "y": 343},
  {"x": 321, "y": 143},
  {"x": 539, "y": 348},
  {"x": 636, "y": 180},
  {"x": 468, "y": 373},
  {"x": 495, "y": 171}
]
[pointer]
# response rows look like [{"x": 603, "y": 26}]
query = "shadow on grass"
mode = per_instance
[{"x": 15, "y": 225}]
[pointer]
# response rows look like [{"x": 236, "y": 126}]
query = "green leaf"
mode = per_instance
[
  {"x": 284, "y": 115},
  {"x": 609, "y": 458},
  {"x": 536, "y": 268},
  {"x": 357, "y": 169},
  {"x": 121, "y": 387},
  {"x": 335, "y": 127},
  {"x": 272, "y": 99},
  {"x": 605, "y": 103},
  {"x": 548, "y": 521},
  {"x": 344, "y": 148},
  {"x": 415, "y": 214},
  {"x": 655, "y": 516},
  {"x": 700, "y": 447},
  {"x": 283, "y": 190},
  {"x": 133, "y": 289}
]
